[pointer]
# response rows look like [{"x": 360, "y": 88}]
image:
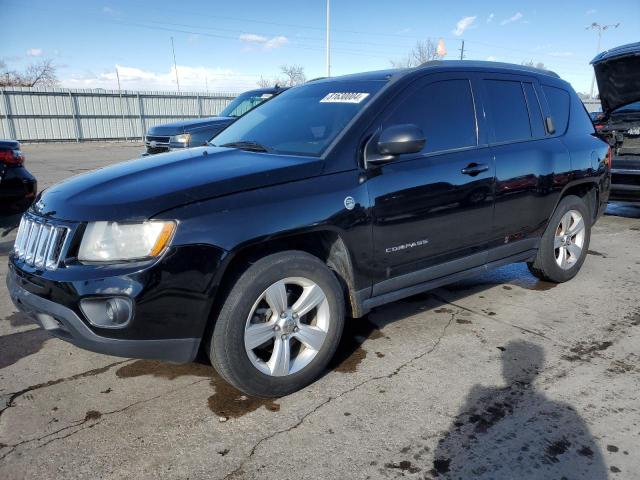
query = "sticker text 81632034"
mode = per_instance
[{"x": 344, "y": 97}]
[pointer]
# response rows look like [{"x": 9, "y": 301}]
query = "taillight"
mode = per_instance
[
  {"x": 11, "y": 157},
  {"x": 609, "y": 160},
  {"x": 599, "y": 126}
]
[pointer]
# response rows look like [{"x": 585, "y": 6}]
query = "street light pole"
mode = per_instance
[
  {"x": 600, "y": 28},
  {"x": 328, "y": 41}
]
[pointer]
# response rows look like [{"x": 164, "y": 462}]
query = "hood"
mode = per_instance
[
  {"x": 618, "y": 76},
  {"x": 186, "y": 126},
  {"x": 141, "y": 188}
]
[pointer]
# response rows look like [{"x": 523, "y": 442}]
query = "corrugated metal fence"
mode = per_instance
[{"x": 56, "y": 114}]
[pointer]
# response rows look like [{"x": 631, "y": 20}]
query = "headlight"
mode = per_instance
[
  {"x": 113, "y": 241},
  {"x": 181, "y": 140}
]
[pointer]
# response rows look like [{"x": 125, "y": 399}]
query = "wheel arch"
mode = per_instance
[
  {"x": 326, "y": 244},
  {"x": 587, "y": 189}
]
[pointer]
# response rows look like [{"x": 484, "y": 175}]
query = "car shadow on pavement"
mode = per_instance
[
  {"x": 623, "y": 210},
  {"x": 516, "y": 431},
  {"x": 352, "y": 349},
  {"x": 16, "y": 346}
]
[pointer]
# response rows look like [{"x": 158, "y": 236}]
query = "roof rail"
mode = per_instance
[{"x": 480, "y": 63}]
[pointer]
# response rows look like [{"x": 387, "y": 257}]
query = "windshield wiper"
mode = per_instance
[{"x": 246, "y": 145}]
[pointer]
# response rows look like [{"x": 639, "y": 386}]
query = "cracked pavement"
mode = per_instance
[{"x": 498, "y": 376}]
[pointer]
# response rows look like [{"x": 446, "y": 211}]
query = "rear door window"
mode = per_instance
[
  {"x": 508, "y": 110},
  {"x": 559, "y": 102},
  {"x": 445, "y": 112}
]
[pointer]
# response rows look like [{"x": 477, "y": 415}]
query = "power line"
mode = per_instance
[{"x": 175, "y": 66}]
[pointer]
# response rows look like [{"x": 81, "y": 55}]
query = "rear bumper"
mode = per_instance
[
  {"x": 65, "y": 324},
  {"x": 18, "y": 189}
]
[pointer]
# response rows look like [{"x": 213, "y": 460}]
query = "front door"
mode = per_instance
[{"x": 432, "y": 211}]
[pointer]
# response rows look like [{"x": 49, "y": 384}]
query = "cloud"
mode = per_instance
[
  {"x": 34, "y": 52},
  {"x": 491, "y": 58},
  {"x": 490, "y": 17},
  {"x": 591, "y": 11},
  {"x": 276, "y": 42},
  {"x": 512, "y": 19},
  {"x": 266, "y": 42},
  {"x": 463, "y": 24},
  {"x": 108, "y": 10},
  {"x": 192, "y": 79},
  {"x": 560, "y": 54}
]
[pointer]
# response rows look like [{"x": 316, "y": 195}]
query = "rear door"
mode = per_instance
[
  {"x": 427, "y": 211},
  {"x": 531, "y": 166}
]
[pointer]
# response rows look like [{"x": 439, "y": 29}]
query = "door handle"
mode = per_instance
[{"x": 474, "y": 169}]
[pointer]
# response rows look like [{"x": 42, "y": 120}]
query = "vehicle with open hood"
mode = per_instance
[
  {"x": 333, "y": 198},
  {"x": 618, "y": 75}
]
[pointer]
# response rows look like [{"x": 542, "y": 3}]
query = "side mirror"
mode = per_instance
[{"x": 393, "y": 141}]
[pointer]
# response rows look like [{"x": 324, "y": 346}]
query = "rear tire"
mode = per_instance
[
  {"x": 565, "y": 242},
  {"x": 262, "y": 305}
]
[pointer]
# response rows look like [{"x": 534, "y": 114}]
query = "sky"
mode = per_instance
[{"x": 226, "y": 46}]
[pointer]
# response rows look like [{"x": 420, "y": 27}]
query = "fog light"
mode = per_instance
[{"x": 114, "y": 312}]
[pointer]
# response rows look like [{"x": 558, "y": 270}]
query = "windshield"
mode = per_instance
[
  {"x": 632, "y": 107},
  {"x": 243, "y": 103},
  {"x": 300, "y": 121}
]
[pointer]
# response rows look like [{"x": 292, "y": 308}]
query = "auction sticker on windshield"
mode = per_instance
[{"x": 344, "y": 97}]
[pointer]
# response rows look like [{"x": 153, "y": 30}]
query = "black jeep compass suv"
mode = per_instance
[{"x": 333, "y": 198}]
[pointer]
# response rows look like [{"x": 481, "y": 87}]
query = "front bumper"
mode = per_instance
[
  {"x": 171, "y": 302},
  {"x": 65, "y": 324},
  {"x": 625, "y": 179}
]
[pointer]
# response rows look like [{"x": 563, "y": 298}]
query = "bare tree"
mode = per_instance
[
  {"x": 293, "y": 75},
  {"x": 423, "y": 51},
  {"x": 531, "y": 63},
  {"x": 265, "y": 82},
  {"x": 41, "y": 74}
]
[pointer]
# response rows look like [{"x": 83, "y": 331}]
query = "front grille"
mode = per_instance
[
  {"x": 39, "y": 243},
  {"x": 630, "y": 145},
  {"x": 160, "y": 140}
]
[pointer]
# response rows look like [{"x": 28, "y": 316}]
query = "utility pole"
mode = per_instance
[
  {"x": 462, "y": 51},
  {"x": 124, "y": 128},
  {"x": 600, "y": 29},
  {"x": 328, "y": 41},
  {"x": 175, "y": 67}
]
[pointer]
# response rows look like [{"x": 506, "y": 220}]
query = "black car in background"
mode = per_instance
[
  {"x": 18, "y": 187},
  {"x": 335, "y": 197},
  {"x": 197, "y": 132},
  {"x": 618, "y": 75}
]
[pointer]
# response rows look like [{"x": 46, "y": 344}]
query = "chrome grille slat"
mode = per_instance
[{"x": 39, "y": 243}]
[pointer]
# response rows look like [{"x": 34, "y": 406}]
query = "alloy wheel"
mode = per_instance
[
  {"x": 287, "y": 326},
  {"x": 569, "y": 239}
]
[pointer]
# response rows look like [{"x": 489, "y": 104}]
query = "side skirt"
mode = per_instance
[{"x": 376, "y": 301}]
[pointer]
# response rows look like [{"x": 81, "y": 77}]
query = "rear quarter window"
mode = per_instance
[
  {"x": 559, "y": 103},
  {"x": 579, "y": 120}
]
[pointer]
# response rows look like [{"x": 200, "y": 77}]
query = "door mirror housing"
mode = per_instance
[{"x": 393, "y": 141}]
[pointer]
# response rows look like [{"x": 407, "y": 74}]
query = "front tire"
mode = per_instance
[
  {"x": 565, "y": 242},
  {"x": 279, "y": 325}
]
